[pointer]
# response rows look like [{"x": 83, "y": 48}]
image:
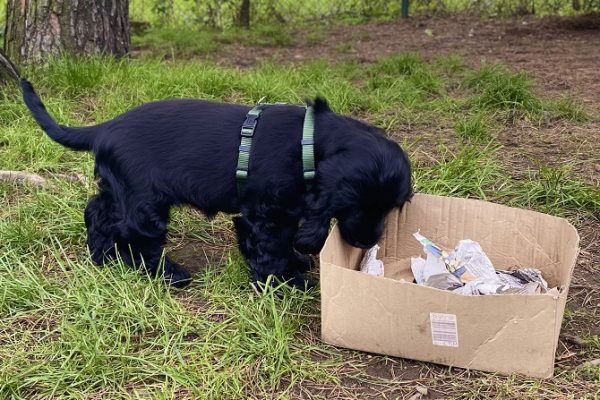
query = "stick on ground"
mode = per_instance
[{"x": 22, "y": 177}]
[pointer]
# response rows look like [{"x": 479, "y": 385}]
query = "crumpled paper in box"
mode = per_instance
[
  {"x": 464, "y": 270},
  {"x": 468, "y": 270},
  {"x": 370, "y": 264}
]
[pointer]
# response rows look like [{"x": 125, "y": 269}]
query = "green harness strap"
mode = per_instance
[
  {"x": 308, "y": 147},
  {"x": 248, "y": 128},
  {"x": 247, "y": 133}
]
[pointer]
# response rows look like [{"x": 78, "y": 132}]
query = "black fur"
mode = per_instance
[{"x": 169, "y": 153}]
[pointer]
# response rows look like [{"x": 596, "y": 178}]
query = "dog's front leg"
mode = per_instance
[{"x": 267, "y": 247}]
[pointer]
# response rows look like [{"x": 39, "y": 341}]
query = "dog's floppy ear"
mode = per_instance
[
  {"x": 320, "y": 105},
  {"x": 314, "y": 227}
]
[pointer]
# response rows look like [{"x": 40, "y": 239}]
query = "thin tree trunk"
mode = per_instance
[
  {"x": 244, "y": 14},
  {"x": 36, "y": 29}
]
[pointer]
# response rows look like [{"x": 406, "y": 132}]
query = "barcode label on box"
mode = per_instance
[{"x": 444, "y": 330}]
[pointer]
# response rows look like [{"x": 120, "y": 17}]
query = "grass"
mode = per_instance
[
  {"x": 471, "y": 172},
  {"x": 72, "y": 330},
  {"x": 315, "y": 36},
  {"x": 499, "y": 89},
  {"x": 95, "y": 342},
  {"x": 188, "y": 42},
  {"x": 553, "y": 190},
  {"x": 474, "y": 128}
]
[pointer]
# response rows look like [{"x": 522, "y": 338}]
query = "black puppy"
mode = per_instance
[{"x": 176, "y": 152}]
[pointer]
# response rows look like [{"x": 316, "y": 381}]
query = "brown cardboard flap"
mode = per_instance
[{"x": 398, "y": 269}]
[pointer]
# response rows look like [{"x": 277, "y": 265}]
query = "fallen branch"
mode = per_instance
[
  {"x": 77, "y": 178},
  {"x": 22, "y": 177},
  {"x": 38, "y": 180}
]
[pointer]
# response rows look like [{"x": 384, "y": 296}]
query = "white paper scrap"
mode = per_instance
[
  {"x": 424, "y": 268},
  {"x": 370, "y": 264}
]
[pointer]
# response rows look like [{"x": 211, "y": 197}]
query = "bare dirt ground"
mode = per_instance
[{"x": 562, "y": 55}]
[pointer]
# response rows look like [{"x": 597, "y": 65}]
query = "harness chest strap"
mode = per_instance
[
  {"x": 248, "y": 128},
  {"x": 247, "y": 133},
  {"x": 308, "y": 146}
]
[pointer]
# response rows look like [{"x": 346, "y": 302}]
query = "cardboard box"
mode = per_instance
[{"x": 498, "y": 333}]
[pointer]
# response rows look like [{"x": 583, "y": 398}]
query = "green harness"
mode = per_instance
[{"x": 247, "y": 133}]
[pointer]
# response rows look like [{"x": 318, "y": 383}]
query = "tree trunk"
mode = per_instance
[
  {"x": 36, "y": 29},
  {"x": 244, "y": 14}
]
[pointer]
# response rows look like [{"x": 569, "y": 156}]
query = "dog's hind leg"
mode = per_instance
[
  {"x": 125, "y": 220},
  {"x": 141, "y": 239},
  {"x": 242, "y": 230},
  {"x": 100, "y": 223}
]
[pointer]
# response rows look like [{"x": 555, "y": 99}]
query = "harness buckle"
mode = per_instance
[
  {"x": 250, "y": 122},
  {"x": 241, "y": 174},
  {"x": 310, "y": 174},
  {"x": 249, "y": 125}
]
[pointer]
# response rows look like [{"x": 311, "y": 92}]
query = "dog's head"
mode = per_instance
[
  {"x": 372, "y": 183},
  {"x": 362, "y": 177}
]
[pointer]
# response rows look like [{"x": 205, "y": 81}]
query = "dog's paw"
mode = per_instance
[
  {"x": 177, "y": 276},
  {"x": 301, "y": 262}
]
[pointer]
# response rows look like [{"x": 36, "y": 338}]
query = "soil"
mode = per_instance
[{"x": 562, "y": 55}]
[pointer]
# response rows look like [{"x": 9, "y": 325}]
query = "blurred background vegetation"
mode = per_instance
[{"x": 223, "y": 14}]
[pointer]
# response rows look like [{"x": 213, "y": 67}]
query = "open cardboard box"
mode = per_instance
[{"x": 499, "y": 333}]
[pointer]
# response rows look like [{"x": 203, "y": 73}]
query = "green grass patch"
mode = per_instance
[
  {"x": 554, "y": 190},
  {"x": 498, "y": 88},
  {"x": 187, "y": 42},
  {"x": 84, "y": 330},
  {"x": 451, "y": 64},
  {"x": 409, "y": 67},
  {"x": 474, "y": 128},
  {"x": 184, "y": 42},
  {"x": 567, "y": 108},
  {"x": 315, "y": 36},
  {"x": 472, "y": 171}
]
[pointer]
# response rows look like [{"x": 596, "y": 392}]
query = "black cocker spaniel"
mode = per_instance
[{"x": 169, "y": 153}]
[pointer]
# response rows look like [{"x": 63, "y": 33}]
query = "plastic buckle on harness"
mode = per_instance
[
  {"x": 250, "y": 121},
  {"x": 241, "y": 174},
  {"x": 309, "y": 175},
  {"x": 249, "y": 125}
]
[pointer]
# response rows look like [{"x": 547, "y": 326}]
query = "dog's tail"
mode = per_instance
[{"x": 75, "y": 138}]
